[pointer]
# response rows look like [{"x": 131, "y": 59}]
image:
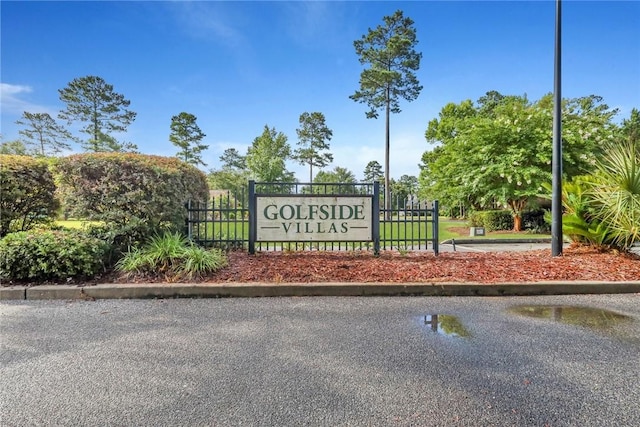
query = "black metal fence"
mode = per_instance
[{"x": 224, "y": 222}]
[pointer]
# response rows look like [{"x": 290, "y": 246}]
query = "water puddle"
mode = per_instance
[
  {"x": 596, "y": 319},
  {"x": 444, "y": 324}
]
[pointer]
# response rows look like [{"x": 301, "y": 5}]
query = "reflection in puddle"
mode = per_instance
[
  {"x": 593, "y": 318},
  {"x": 445, "y": 324}
]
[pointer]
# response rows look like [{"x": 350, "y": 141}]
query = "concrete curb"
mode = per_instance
[{"x": 247, "y": 290}]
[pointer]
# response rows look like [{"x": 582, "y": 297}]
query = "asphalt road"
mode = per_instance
[{"x": 319, "y": 362}]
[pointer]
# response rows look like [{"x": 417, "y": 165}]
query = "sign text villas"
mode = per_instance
[{"x": 314, "y": 218}]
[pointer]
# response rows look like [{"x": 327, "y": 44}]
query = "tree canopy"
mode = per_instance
[
  {"x": 92, "y": 101},
  {"x": 44, "y": 134},
  {"x": 631, "y": 127},
  {"x": 231, "y": 159},
  {"x": 373, "y": 171},
  {"x": 337, "y": 175},
  {"x": 313, "y": 137},
  {"x": 187, "y": 136},
  {"x": 389, "y": 52},
  {"x": 498, "y": 151},
  {"x": 266, "y": 157},
  {"x": 15, "y": 147},
  {"x": 403, "y": 189}
]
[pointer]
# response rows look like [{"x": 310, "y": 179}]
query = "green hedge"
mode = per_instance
[
  {"x": 50, "y": 254},
  {"x": 535, "y": 220},
  {"x": 492, "y": 220},
  {"x": 27, "y": 191},
  {"x": 130, "y": 191},
  {"x": 503, "y": 220}
]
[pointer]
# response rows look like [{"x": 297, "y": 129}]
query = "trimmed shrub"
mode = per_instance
[
  {"x": 135, "y": 194},
  {"x": 492, "y": 220},
  {"x": 27, "y": 191},
  {"x": 498, "y": 220},
  {"x": 476, "y": 219},
  {"x": 534, "y": 220},
  {"x": 42, "y": 254}
]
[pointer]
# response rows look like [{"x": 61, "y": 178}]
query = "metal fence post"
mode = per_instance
[
  {"x": 376, "y": 218},
  {"x": 187, "y": 220},
  {"x": 436, "y": 215},
  {"x": 253, "y": 232}
]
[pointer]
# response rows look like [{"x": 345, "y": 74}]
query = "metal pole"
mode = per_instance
[
  {"x": 556, "y": 164},
  {"x": 435, "y": 224},
  {"x": 375, "y": 217}
]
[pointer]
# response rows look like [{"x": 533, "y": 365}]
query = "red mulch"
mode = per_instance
[{"x": 575, "y": 264}]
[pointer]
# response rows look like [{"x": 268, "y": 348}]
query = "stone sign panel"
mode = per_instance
[{"x": 314, "y": 218}]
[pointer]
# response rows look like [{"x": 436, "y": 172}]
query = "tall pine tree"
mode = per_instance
[
  {"x": 92, "y": 101},
  {"x": 389, "y": 52},
  {"x": 186, "y": 135}
]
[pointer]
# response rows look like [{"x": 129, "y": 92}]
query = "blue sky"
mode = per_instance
[{"x": 240, "y": 65}]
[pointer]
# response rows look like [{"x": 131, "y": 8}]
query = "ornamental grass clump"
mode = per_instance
[
  {"x": 615, "y": 193},
  {"x": 172, "y": 256},
  {"x": 603, "y": 209}
]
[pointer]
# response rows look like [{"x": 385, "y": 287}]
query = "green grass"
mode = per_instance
[
  {"x": 397, "y": 230},
  {"x": 445, "y": 232},
  {"x": 76, "y": 223},
  {"x": 239, "y": 230}
]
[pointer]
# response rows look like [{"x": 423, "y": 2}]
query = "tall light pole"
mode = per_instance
[{"x": 556, "y": 162}]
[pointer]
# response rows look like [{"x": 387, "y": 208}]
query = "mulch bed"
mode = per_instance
[
  {"x": 496, "y": 267},
  {"x": 576, "y": 264}
]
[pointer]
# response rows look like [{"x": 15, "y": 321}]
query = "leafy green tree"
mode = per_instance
[
  {"x": 441, "y": 171},
  {"x": 266, "y": 157},
  {"x": 313, "y": 135},
  {"x": 15, "y": 147},
  {"x": 500, "y": 151},
  {"x": 232, "y": 176},
  {"x": 93, "y": 102},
  {"x": 337, "y": 175},
  {"x": 231, "y": 159},
  {"x": 631, "y": 127},
  {"x": 587, "y": 126},
  {"x": 488, "y": 103},
  {"x": 389, "y": 51},
  {"x": 403, "y": 188},
  {"x": 373, "y": 172},
  {"x": 44, "y": 133},
  {"x": 230, "y": 179},
  {"x": 186, "y": 135}
]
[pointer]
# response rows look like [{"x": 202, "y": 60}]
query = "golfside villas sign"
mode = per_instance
[
  {"x": 276, "y": 217},
  {"x": 299, "y": 218}
]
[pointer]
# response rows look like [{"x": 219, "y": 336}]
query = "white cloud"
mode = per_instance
[
  {"x": 8, "y": 90},
  {"x": 314, "y": 23},
  {"x": 13, "y": 102},
  {"x": 208, "y": 20},
  {"x": 218, "y": 23},
  {"x": 405, "y": 155}
]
